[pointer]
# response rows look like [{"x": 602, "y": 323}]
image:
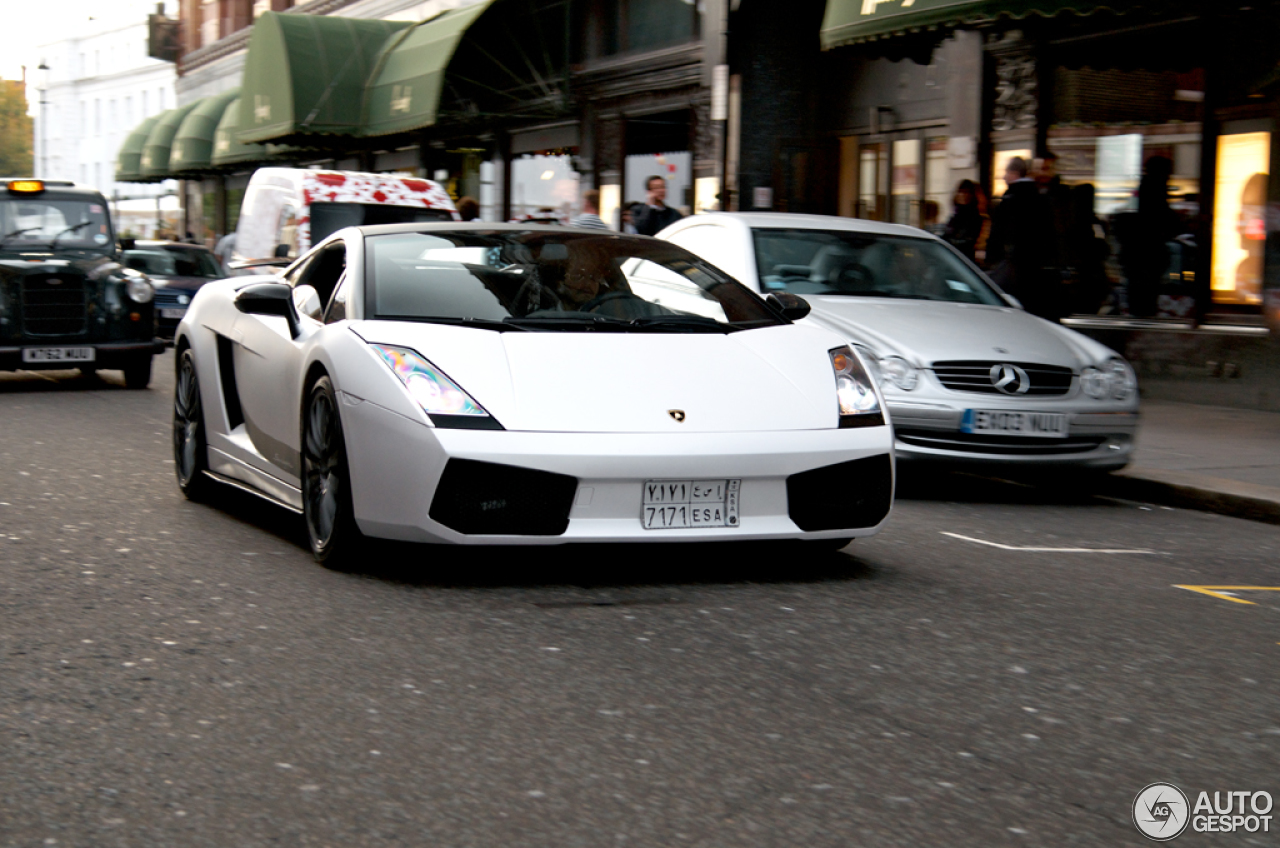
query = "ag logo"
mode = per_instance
[
  {"x": 1010, "y": 379},
  {"x": 677, "y": 414},
  {"x": 1161, "y": 811}
]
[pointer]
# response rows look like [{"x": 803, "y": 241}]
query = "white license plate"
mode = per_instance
[
  {"x": 172, "y": 313},
  {"x": 1043, "y": 424},
  {"x": 673, "y": 504},
  {"x": 58, "y": 354}
]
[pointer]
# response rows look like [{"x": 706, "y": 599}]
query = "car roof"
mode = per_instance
[
  {"x": 186, "y": 245},
  {"x": 480, "y": 226},
  {"x": 771, "y": 220}
]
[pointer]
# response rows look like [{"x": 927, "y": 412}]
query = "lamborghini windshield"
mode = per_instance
[{"x": 535, "y": 280}]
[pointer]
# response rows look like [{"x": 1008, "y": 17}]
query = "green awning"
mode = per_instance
[
  {"x": 193, "y": 144},
  {"x": 229, "y": 153},
  {"x": 404, "y": 91},
  {"x": 853, "y": 21},
  {"x": 128, "y": 160},
  {"x": 305, "y": 75},
  {"x": 155, "y": 153}
]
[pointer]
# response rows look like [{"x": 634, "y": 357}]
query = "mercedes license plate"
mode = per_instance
[
  {"x": 58, "y": 354},
  {"x": 672, "y": 504},
  {"x": 173, "y": 313},
  {"x": 1051, "y": 425}
]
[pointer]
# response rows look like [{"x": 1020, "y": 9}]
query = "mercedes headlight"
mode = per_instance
[
  {"x": 1113, "y": 379},
  {"x": 855, "y": 393},
  {"x": 900, "y": 372},
  {"x": 139, "y": 289},
  {"x": 428, "y": 385}
]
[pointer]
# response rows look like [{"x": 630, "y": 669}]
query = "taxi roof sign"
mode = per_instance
[{"x": 26, "y": 186}]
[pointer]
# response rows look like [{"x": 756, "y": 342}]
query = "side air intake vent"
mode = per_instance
[
  {"x": 485, "y": 498},
  {"x": 847, "y": 496}
]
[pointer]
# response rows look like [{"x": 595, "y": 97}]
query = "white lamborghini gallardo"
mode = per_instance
[{"x": 509, "y": 384}]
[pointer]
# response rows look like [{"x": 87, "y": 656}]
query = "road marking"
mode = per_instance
[
  {"x": 1219, "y": 592},
  {"x": 1050, "y": 550}
]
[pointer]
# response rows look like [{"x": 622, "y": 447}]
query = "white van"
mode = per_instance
[{"x": 286, "y": 210}]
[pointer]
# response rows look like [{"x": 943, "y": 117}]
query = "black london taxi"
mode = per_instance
[{"x": 66, "y": 301}]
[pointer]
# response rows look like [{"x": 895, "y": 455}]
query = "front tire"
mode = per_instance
[
  {"x": 190, "y": 447},
  {"x": 137, "y": 374},
  {"x": 326, "y": 482}
]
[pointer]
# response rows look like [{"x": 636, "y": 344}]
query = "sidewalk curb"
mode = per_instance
[{"x": 1190, "y": 490}]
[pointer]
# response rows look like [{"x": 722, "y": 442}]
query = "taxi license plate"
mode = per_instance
[
  {"x": 1051, "y": 425},
  {"x": 172, "y": 313},
  {"x": 58, "y": 354},
  {"x": 673, "y": 504}
]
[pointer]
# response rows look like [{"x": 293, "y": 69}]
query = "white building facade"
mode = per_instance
[{"x": 98, "y": 86}]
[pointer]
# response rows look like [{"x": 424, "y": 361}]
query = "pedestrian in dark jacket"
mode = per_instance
[
  {"x": 1087, "y": 252},
  {"x": 655, "y": 214},
  {"x": 965, "y": 224},
  {"x": 1145, "y": 249},
  {"x": 1021, "y": 249}
]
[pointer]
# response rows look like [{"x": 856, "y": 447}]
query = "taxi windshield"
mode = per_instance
[{"x": 46, "y": 223}]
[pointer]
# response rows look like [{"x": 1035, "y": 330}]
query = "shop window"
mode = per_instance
[
  {"x": 1239, "y": 217},
  {"x": 906, "y": 181},
  {"x": 676, "y": 167},
  {"x": 544, "y": 187},
  {"x": 873, "y": 181},
  {"x": 938, "y": 189}
]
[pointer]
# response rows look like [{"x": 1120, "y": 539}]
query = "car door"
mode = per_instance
[{"x": 268, "y": 363}]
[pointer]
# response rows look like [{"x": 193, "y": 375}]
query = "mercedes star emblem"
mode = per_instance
[
  {"x": 677, "y": 414},
  {"x": 1010, "y": 379}
]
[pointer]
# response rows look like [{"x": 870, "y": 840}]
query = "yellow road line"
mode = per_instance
[{"x": 1216, "y": 591}]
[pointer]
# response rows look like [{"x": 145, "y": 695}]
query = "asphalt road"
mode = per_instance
[{"x": 176, "y": 674}]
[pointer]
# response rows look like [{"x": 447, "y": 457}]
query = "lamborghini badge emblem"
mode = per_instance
[{"x": 677, "y": 414}]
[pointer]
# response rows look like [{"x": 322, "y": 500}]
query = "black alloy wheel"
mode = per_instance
[
  {"x": 190, "y": 449},
  {"x": 326, "y": 483}
]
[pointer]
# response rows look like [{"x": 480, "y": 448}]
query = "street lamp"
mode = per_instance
[{"x": 42, "y": 85}]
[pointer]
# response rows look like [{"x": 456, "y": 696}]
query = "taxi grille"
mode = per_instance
[
  {"x": 975, "y": 376},
  {"x": 54, "y": 305}
]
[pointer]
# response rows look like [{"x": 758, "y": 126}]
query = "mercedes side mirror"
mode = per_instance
[
  {"x": 270, "y": 299},
  {"x": 792, "y": 306}
]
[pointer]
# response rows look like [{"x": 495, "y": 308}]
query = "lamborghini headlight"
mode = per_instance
[
  {"x": 855, "y": 393},
  {"x": 428, "y": 385}
]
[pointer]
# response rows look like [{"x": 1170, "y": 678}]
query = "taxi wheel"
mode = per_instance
[
  {"x": 137, "y": 374},
  {"x": 190, "y": 449},
  {"x": 326, "y": 482}
]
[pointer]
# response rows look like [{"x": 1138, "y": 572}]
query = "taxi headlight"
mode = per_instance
[{"x": 139, "y": 290}]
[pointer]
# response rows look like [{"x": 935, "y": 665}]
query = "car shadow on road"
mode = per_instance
[
  {"x": 1040, "y": 487},
  {"x": 32, "y": 382},
  {"x": 583, "y": 566}
]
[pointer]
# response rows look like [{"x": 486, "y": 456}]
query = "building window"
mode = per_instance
[{"x": 631, "y": 25}]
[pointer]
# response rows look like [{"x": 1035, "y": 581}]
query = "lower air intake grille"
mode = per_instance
[
  {"x": 486, "y": 498},
  {"x": 996, "y": 444},
  {"x": 841, "y": 497},
  {"x": 54, "y": 305}
]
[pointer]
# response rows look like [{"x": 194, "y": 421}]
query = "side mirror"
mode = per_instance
[
  {"x": 128, "y": 243},
  {"x": 281, "y": 252},
  {"x": 792, "y": 306},
  {"x": 270, "y": 299}
]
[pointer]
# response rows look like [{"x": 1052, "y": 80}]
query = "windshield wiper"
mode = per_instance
[
  {"x": 70, "y": 229},
  {"x": 693, "y": 323},
  {"x": 585, "y": 321},
  {"x": 8, "y": 236},
  {"x": 477, "y": 323}
]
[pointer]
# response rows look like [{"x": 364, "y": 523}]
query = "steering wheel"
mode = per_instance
[
  {"x": 855, "y": 277},
  {"x": 531, "y": 289},
  {"x": 601, "y": 299}
]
